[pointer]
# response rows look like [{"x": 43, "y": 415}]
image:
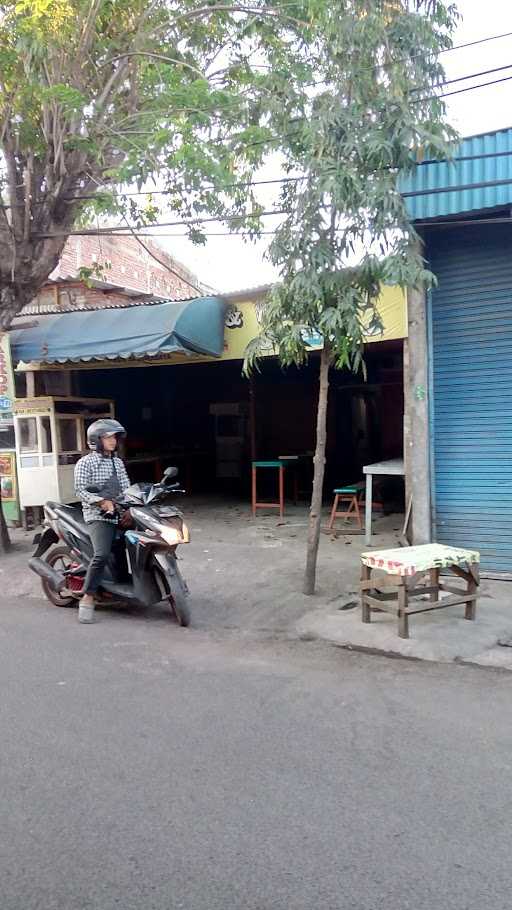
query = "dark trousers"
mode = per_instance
[{"x": 102, "y": 535}]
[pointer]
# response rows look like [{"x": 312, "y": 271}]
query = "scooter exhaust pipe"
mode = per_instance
[{"x": 55, "y": 579}]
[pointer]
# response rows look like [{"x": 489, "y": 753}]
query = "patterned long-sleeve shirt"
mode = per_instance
[{"x": 96, "y": 470}]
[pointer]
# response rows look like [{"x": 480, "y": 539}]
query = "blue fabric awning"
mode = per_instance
[{"x": 184, "y": 327}]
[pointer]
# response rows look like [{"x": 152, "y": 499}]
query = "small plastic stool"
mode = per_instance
[
  {"x": 279, "y": 466},
  {"x": 350, "y": 496}
]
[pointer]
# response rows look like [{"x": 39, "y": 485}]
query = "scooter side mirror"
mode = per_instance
[{"x": 170, "y": 474}]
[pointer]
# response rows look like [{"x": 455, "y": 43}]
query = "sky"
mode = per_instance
[{"x": 230, "y": 263}]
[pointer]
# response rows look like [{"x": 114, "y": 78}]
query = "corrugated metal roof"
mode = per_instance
[
  {"x": 251, "y": 293},
  {"x": 34, "y": 309},
  {"x": 478, "y": 177}
]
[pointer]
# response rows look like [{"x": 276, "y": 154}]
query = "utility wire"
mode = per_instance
[
  {"x": 275, "y": 138},
  {"x": 458, "y": 47},
  {"x": 120, "y": 230},
  {"x": 468, "y": 88},
  {"x": 495, "y": 69},
  {"x": 191, "y": 222},
  {"x": 271, "y": 233},
  {"x": 445, "y": 50},
  {"x": 248, "y": 183},
  {"x": 269, "y": 139}
]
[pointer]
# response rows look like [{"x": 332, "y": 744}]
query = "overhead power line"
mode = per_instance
[
  {"x": 271, "y": 233},
  {"x": 279, "y": 137},
  {"x": 209, "y": 186},
  {"x": 270, "y": 139},
  {"x": 120, "y": 229},
  {"x": 444, "y": 50},
  {"x": 459, "y": 47},
  {"x": 468, "y": 88},
  {"x": 495, "y": 69}
]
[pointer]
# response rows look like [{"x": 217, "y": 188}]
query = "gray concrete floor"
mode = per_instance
[
  {"x": 232, "y": 766},
  {"x": 146, "y": 767}
]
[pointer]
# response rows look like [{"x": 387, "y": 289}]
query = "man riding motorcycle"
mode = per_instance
[{"x": 103, "y": 469}]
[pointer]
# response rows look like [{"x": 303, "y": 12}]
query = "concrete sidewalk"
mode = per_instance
[{"x": 442, "y": 635}]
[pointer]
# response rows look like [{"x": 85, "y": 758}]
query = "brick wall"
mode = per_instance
[
  {"x": 76, "y": 295},
  {"x": 127, "y": 264}
]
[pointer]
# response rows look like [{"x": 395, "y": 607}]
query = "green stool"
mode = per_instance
[
  {"x": 350, "y": 497},
  {"x": 279, "y": 466}
]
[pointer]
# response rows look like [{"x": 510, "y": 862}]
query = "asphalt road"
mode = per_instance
[{"x": 145, "y": 767}]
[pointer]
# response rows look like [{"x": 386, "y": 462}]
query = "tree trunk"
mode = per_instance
[
  {"x": 5, "y": 542},
  {"x": 315, "y": 512},
  {"x": 12, "y": 301}
]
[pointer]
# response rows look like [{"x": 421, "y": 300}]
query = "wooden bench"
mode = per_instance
[{"x": 405, "y": 571}]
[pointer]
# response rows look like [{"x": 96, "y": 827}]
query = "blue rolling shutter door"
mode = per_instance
[{"x": 471, "y": 334}]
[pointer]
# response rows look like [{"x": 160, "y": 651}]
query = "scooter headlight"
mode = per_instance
[
  {"x": 174, "y": 533},
  {"x": 171, "y": 535}
]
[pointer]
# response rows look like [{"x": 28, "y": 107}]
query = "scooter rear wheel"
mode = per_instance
[{"x": 59, "y": 558}]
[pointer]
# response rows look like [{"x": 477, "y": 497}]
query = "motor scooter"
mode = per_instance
[{"x": 143, "y": 566}]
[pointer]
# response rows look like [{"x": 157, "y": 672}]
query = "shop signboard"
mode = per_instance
[
  {"x": 6, "y": 388},
  {"x": 8, "y": 477},
  {"x": 6, "y": 376},
  {"x": 8, "y": 483},
  {"x": 29, "y": 405}
]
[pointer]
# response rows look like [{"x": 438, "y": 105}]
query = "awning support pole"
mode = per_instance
[{"x": 252, "y": 417}]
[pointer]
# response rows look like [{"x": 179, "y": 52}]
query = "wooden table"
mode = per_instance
[
  {"x": 404, "y": 569},
  {"x": 392, "y": 468}
]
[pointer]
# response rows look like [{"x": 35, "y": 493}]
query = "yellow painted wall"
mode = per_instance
[{"x": 242, "y": 323}]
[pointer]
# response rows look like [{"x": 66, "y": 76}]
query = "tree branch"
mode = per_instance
[
  {"x": 153, "y": 56},
  {"x": 14, "y": 184},
  {"x": 272, "y": 12},
  {"x": 88, "y": 30},
  {"x": 29, "y": 175}
]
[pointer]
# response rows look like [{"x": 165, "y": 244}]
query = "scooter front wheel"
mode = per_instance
[
  {"x": 177, "y": 597},
  {"x": 60, "y": 559},
  {"x": 179, "y": 604}
]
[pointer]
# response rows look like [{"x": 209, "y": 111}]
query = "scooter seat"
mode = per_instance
[{"x": 72, "y": 514}]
